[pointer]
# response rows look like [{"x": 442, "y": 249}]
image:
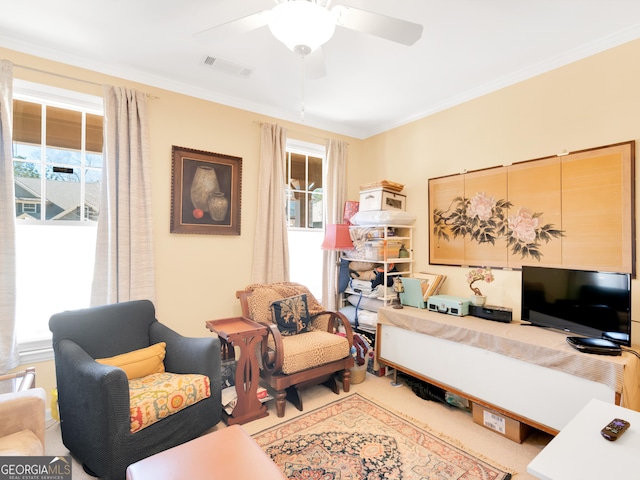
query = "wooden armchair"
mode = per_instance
[{"x": 288, "y": 362}]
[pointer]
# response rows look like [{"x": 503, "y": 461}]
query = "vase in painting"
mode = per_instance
[
  {"x": 205, "y": 182},
  {"x": 218, "y": 205}
]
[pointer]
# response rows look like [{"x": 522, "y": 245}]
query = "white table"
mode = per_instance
[{"x": 580, "y": 452}]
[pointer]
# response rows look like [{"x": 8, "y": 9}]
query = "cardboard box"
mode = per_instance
[
  {"x": 380, "y": 199},
  {"x": 499, "y": 423}
]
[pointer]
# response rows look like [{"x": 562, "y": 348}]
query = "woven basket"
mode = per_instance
[{"x": 358, "y": 374}]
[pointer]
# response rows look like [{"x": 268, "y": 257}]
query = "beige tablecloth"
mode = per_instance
[{"x": 530, "y": 344}]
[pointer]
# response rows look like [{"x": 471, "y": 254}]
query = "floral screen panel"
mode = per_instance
[
  {"x": 486, "y": 213},
  {"x": 534, "y": 229},
  {"x": 448, "y": 226},
  {"x": 573, "y": 211},
  {"x": 598, "y": 199}
]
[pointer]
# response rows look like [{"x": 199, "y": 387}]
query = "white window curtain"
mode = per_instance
[
  {"x": 8, "y": 345},
  {"x": 124, "y": 268},
  {"x": 335, "y": 178},
  {"x": 271, "y": 247}
]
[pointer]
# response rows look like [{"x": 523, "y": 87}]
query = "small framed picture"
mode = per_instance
[{"x": 205, "y": 192}]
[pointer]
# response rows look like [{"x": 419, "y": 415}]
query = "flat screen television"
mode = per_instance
[{"x": 586, "y": 303}]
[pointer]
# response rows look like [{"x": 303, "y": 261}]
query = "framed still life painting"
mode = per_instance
[{"x": 205, "y": 192}]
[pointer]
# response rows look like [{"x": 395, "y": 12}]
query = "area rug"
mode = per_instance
[{"x": 354, "y": 438}]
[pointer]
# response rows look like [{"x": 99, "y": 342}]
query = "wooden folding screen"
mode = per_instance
[{"x": 573, "y": 211}]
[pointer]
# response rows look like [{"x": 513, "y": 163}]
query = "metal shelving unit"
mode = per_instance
[{"x": 386, "y": 234}]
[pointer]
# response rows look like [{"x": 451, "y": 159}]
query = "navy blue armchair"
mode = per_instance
[{"x": 93, "y": 398}]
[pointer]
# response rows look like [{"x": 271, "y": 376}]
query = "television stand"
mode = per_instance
[{"x": 529, "y": 375}]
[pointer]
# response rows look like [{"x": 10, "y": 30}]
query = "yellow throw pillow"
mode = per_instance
[{"x": 139, "y": 363}]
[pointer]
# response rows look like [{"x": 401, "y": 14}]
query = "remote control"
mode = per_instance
[{"x": 616, "y": 428}]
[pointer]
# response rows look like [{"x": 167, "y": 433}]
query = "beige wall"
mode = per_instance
[
  {"x": 590, "y": 103},
  {"x": 197, "y": 275},
  {"x": 587, "y": 104}
]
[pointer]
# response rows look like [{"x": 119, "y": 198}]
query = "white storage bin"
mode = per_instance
[
  {"x": 375, "y": 249},
  {"x": 380, "y": 199}
]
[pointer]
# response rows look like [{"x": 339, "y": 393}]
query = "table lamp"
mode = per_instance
[{"x": 337, "y": 238}]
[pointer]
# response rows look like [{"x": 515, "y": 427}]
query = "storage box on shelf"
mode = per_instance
[
  {"x": 382, "y": 199},
  {"x": 377, "y": 250},
  {"x": 386, "y": 246}
]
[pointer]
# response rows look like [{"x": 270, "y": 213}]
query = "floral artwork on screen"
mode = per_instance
[
  {"x": 484, "y": 219},
  {"x": 574, "y": 210}
]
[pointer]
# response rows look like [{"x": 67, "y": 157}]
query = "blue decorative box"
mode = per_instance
[{"x": 458, "y": 306}]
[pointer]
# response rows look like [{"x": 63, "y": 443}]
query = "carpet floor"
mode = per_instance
[
  {"x": 354, "y": 438},
  {"x": 453, "y": 425}
]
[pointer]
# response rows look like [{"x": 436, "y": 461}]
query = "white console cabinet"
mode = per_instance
[{"x": 525, "y": 372}]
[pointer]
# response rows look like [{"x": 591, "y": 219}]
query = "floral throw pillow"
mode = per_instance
[{"x": 291, "y": 315}]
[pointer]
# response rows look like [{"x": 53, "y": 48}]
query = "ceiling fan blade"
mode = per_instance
[
  {"x": 234, "y": 27},
  {"x": 394, "y": 29},
  {"x": 314, "y": 66}
]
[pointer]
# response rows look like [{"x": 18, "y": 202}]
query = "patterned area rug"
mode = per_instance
[{"x": 355, "y": 439}]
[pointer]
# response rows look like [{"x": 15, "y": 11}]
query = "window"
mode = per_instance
[
  {"x": 29, "y": 207},
  {"x": 57, "y": 159},
  {"x": 304, "y": 186},
  {"x": 305, "y": 213}
]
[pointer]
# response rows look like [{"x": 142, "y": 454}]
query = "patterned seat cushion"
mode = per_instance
[
  {"x": 159, "y": 395},
  {"x": 311, "y": 349},
  {"x": 305, "y": 350}
]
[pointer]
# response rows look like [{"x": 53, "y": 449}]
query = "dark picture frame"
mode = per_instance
[{"x": 205, "y": 192}]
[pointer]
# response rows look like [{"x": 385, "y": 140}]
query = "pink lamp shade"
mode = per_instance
[{"x": 337, "y": 237}]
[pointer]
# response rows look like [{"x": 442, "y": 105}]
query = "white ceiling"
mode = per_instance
[{"x": 468, "y": 48}]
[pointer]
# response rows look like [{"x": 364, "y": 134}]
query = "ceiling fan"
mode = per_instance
[{"x": 305, "y": 25}]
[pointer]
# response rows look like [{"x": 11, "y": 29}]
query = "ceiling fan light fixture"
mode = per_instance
[{"x": 302, "y": 25}]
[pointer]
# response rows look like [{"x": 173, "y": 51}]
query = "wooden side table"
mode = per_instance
[{"x": 245, "y": 334}]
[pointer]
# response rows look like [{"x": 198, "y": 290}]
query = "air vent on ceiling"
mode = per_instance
[{"x": 227, "y": 67}]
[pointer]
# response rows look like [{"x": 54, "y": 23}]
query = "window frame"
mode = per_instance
[
  {"x": 26, "y": 207},
  {"x": 313, "y": 236},
  {"x": 307, "y": 149},
  {"x": 31, "y": 351}
]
